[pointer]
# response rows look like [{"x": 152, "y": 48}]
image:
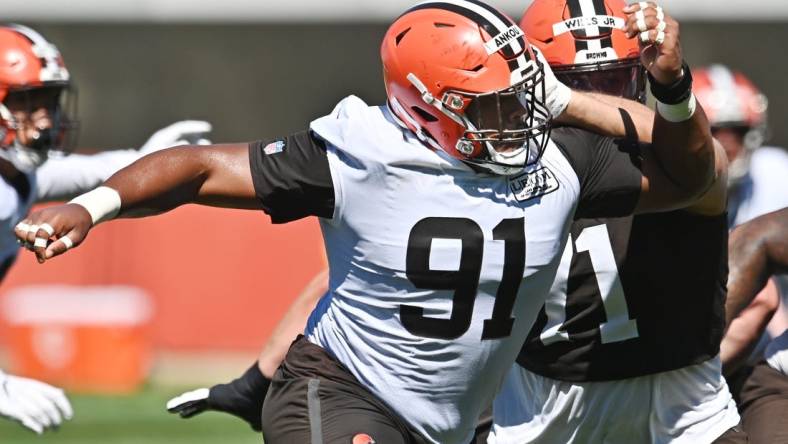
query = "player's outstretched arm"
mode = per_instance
[
  {"x": 244, "y": 396},
  {"x": 217, "y": 175}
]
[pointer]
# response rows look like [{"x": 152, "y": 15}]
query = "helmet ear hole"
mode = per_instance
[
  {"x": 424, "y": 114},
  {"x": 401, "y": 36}
]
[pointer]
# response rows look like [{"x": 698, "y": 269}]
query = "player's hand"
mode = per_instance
[
  {"x": 243, "y": 397},
  {"x": 33, "y": 404},
  {"x": 658, "y": 34},
  {"x": 557, "y": 95},
  {"x": 53, "y": 231},
  {"x": 220, "y": 398},
  {"x": 185, "y": 132}
]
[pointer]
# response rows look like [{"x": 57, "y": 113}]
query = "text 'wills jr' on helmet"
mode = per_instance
[
  {"x": 33, "y": 77},
  {"x": 462, "y": 76},
  {"x": 585, "y": 44}
]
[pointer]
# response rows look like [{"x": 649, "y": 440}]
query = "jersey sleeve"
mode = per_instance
[
  {"x": 291, "y": 177},
  {"x": 608, "y": 171}
]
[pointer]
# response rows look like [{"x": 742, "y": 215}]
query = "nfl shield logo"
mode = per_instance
[{"x": 274, "y": 147}]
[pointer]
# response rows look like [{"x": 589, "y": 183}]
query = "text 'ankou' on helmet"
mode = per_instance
[{"x": 462, "y": 76}]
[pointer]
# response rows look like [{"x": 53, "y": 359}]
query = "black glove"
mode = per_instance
[{"x": 243, "y": 397}]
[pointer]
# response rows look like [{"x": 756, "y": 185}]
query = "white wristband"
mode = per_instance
[
  {"x": 103, "y": 203},
  {"x": 679, "y": 112}
]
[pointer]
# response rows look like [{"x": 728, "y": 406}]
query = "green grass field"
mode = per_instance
[{"x": 135, "y": 419}]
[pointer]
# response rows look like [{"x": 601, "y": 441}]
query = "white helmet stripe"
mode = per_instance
[
  {"x": 52, "y": 69},
  {"x": 724, "y": 94}
]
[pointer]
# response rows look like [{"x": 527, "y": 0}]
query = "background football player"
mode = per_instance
[
  {"x": 738, "y": 114},
  {"x": 37, "y": 126},
  {"x": 758, "y": 251},
  {"x": 626, "y": 347},
  {"x": 400, "y": 350}
]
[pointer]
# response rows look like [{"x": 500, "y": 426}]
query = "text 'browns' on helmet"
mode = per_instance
[
  {"x": 462, "y": 76},
  {"x": 585, "y": 44}
]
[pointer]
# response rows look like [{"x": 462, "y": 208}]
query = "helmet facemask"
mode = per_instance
[
  {"x": 504, "y": 130},
  {"x": 53, "y": 104}
]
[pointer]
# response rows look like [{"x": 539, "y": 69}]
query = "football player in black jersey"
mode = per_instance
[
  {"x": 375, "y": 366},
  {"x": 626, "y": 348}
]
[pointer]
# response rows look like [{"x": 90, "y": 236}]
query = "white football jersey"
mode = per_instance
[
  {"x": 437, "y": 272},
  {"x": 59, "y": 178},
  {"x": 763, "y": 188},
  {"x": 13, "y": 208}
]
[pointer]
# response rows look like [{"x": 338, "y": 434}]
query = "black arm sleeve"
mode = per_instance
[
  {"x": 292, "y": 178},
  {"x": 608, "y": 170}
]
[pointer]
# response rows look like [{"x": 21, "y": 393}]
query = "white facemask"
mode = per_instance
[{"x": 22, "y": 158}]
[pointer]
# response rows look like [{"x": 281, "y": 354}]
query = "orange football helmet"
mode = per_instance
[
  {"x": 732, "y": 101},
  {"x": 585, "y": 44},
  {"x": 32, "y": 76},
  {"x": 462, "y": 76}
]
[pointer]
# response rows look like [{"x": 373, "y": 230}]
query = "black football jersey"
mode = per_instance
[{"x": 633, "y": 296}]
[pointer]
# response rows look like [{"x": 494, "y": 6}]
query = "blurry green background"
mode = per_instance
[{"x": 138, "y": 419}]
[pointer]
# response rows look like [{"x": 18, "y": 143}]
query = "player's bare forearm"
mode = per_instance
[
  {"x": 293, "y": 323},
  {"x": 601, "y": 114},
  {"x": 685, "y": 151},
  {"x": 217, "y": 175},
  {"x": 757, "y": 250},
  {"x": 744, "y": 332}
]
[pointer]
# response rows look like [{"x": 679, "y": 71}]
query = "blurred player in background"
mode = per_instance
[
  {"x": 37, "y": 127},
  {"x": 758, "y": 176},
  {"x": 397, "y": 349},
  {"x": 737, "y": 112},
  {"x": 626, "y": 348},
  {"x": 759, "y": 251}
]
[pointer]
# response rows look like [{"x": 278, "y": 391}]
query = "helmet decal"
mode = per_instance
[
  {"x": 587, "y": 12},
  {"x": 506, "y": 36}
]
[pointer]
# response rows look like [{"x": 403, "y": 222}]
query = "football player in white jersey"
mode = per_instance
[
  {"x": 444, "y": 215},
  {"x": 35, "y": 121}
]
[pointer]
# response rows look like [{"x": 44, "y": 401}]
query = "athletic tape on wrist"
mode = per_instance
[
  {"x": 103, "y": 203},
  {"x": 679, "y": 112}
]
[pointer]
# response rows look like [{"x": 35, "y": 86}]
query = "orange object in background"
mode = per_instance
[
  {"x": 88, "y": 339},
  {"x": 220, "y": 279}
]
